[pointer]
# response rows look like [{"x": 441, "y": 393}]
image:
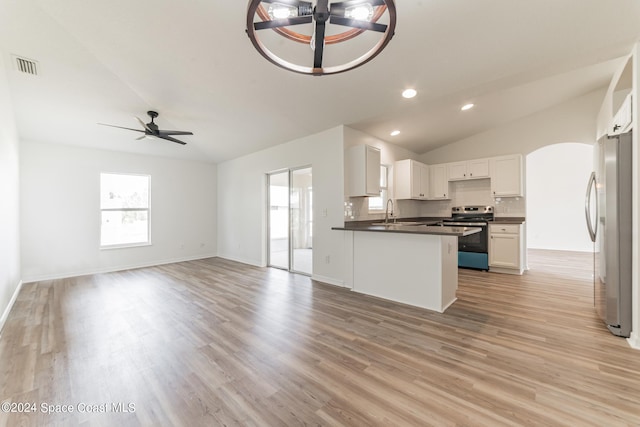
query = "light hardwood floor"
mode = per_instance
[{"x": 214, "y": 342}]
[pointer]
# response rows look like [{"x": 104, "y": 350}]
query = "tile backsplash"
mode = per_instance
[
  {"x": 474, "y": 192},
  {"x": 463, "y": 193}
]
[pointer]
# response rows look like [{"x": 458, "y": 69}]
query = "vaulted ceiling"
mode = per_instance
[{"x": 191, "y": 61}]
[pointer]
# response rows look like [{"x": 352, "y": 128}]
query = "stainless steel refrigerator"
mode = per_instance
[{"x": 608, "y": 214}]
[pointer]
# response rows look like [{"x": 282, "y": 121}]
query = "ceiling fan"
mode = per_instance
[{"x": 151, "y": 130}]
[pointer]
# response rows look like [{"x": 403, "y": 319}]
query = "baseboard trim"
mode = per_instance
[
  {"x": 449, "y": 305},
  {"x": 7, "y": 310},
  {"x": 634, "y": 340},
  {"x": 328, "y": 280},
  {"x": 241, "y": 260},
  {"x": 114, "y": 268}
]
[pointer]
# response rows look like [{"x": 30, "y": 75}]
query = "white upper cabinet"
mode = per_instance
[
  {"x": 506, "y": 176},
  {"x": 478, "y": 168},
  {"x": 622, "y": 120},
  {"x": 438, "y": 182},
  {"x": 472, "y": 169},
  {"x": 411, "y": 180},
  {"x": 363, "y": 171}
]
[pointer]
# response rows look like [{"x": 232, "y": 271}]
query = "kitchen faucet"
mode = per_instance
[{"x": 386, "y": 213}]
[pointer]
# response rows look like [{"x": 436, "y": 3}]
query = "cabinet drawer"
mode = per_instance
[{"x": 504, "y": 228}]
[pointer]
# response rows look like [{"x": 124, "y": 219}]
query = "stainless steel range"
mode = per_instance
[{"x": 473, "y": 250}]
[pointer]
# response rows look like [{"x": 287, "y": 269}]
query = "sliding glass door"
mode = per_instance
[
  {"x": 279, "y": 220},
  {"x": 290, "y": 220}
]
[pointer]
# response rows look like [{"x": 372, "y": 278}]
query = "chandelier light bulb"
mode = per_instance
[
  {"x": 361, "y": 12},
  {"x": 282, "y": 11}
]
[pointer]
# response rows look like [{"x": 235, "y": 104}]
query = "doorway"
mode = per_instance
[{"x": 290, "y": 220}]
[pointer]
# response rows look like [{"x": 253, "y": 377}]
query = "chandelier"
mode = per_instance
[{"x": 372, "y": 22}]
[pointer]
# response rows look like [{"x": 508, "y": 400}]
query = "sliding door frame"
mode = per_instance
[{"x": 290, "y": 172}]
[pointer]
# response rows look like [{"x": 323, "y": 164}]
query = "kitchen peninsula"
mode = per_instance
[{"x": 411, "y": 263}]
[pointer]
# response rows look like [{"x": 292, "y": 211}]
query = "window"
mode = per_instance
[
  {"x": 124, "y": 208},
  {"x": 378, "y": 203}
]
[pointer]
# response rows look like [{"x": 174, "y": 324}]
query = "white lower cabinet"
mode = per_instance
[{"x": 506, "y": 254}]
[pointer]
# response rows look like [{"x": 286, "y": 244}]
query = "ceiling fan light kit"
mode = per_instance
[
  {"x": 151, "y": 130},
  {"x": 361, "y": 16}
]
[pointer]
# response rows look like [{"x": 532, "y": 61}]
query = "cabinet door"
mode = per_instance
[
  {"x": 457, "y": 171},
  {"x": 438, "y": 182},
  {"x": 402, "y": 180},
  {"x": 424, "y": 180},
  {"x": 478, "y": 168},
  {"x": 506, "y": 176},
  {"x": 362, "y": 167},
  {"x": 372, "y": 174},
  {"x": 418, "y": 180},
  {"x": 504, "y": 250}
]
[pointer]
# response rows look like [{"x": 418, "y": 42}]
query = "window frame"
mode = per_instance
[
  {"x": 147, "y": 210},
  {"x": 384, "y": 191}
]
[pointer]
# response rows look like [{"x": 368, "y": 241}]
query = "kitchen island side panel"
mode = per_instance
[{"x": 419, "y": 270}]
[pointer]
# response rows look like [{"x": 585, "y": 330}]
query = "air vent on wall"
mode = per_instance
[{"x": 27, "y": 66}]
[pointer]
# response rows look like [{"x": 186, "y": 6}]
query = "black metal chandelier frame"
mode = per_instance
[{"x": 321, "y": 15}]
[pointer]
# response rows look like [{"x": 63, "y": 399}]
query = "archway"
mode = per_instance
[{"x": 556, "y": 180}]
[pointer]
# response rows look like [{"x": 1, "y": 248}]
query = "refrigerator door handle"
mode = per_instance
[{"x": 587, "y": 203}]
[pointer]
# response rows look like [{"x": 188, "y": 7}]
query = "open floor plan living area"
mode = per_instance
[{"x": 319, "y": 213}]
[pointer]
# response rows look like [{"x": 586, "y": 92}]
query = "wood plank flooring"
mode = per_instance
[{"x": 214, "y": 342}]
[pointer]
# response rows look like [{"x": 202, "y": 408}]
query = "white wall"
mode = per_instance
[
  {"x": 9, "y": 197},
  {"x": 556, "y": 182},
  {"x": 242, "y": 201},
  {"x": 574, "y": 120},
  {"x": 60, "y": 227}
]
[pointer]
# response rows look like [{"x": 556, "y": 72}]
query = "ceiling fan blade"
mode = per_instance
[
  {"x": 144, "y": 125},
  {"x": 344, "y": 4},
  {"x": 168, "y": 138},
  {"x": 363, "y": 25},
  {"x": 120, "y": 127},
  {"x": 174, "y": 132},
  {"x": 276, "y": 23}
]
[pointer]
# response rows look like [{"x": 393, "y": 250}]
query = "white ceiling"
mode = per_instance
[{"x": 190, "y": 60}]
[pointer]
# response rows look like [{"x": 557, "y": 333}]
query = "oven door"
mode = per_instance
[{"x": 477, "y": 242}]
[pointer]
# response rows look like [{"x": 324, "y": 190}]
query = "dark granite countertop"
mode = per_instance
[
  {"x": 508, "y": 220},
  {"x": 412, "y": 229}
]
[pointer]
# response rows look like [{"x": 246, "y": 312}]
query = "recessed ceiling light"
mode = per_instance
[
  {"x": 467, "y": 107},
  {"x": 395, "y": 132},
  {"x": 409, "y": 93}
]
